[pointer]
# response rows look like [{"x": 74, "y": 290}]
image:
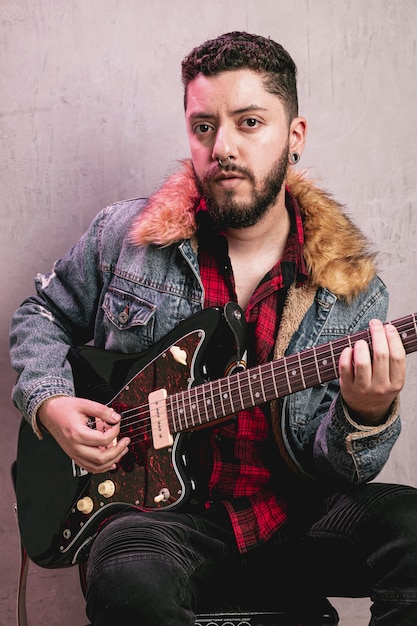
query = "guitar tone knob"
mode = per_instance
[
  {"x": 106, "y": 488},
  {"x": 85, "y": 505}
]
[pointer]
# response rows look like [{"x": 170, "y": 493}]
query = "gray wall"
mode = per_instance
[{"x": 91, "y": 112}]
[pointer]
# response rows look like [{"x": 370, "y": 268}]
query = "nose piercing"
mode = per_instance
[{"x": 224, "y": 163}]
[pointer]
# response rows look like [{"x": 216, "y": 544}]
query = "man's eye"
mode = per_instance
[
  {"x": 251, "y": 122},
  {"x": 201, "y": 129}
]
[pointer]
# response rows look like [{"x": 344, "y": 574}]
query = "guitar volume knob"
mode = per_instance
[
  {"x": 85, "y": 505},
  {"x": 106, "y": 488}
]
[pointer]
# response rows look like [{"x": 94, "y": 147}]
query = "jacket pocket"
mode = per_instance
[{"x": 126, "y": 311}]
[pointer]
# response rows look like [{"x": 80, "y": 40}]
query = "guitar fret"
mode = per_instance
[
  {"x": 175, "y": 412},
  {"x": 335, "y": 368},
  {"x": 256, "y": 377},
  {"x": 170, "y": 413},
  {"x": 247, "y": 389},
  {"x": 181, "y": 413},
  {"x": 247, "y": 373},
  {"x": 287, "y": 376},
  {"x": 222, "y": 396},
  {"x": 195, "y": 405},
  {"x": 311, "y": 370},
  {"x": 292, "y": 361},
  {"x": 227, "y": 404},
  {"x": 262, "y": 388},
  {"x": 273, "y": 380},
  {"x": 230, "y": 397},
  {"x": 203, "y": 406},
  {"x": 301, "y": 370},
  {"x": 217, "y": 401},
  {"x": 210, "y": 401},
  {"x": 316, "y": 364},
  {"x": 221, "y": 393},
  {"x": 280, "y": 378},
  {"x": 325, "y": 363},
  {"x": 178, "y": 411},
  {"x": 269, "y": 383},
  {"x": 242, "y": 403}
]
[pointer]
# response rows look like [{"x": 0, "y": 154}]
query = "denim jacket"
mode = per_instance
[{"x": 133, "y": 276}]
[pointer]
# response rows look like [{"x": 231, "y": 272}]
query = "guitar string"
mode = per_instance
[{"x": 320, "y": 359}]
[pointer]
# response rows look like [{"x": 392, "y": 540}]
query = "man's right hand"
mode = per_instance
[{"x": 68, "y": 420}]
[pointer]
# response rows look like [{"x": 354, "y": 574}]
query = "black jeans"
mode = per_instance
[{"x": 158, "y": 568}]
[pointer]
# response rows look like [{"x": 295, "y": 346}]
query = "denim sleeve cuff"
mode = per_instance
[
  {"x": 363, "y": 430},
  {"x": 49, "y": 388},
  {"x": 38, "y": 428}
]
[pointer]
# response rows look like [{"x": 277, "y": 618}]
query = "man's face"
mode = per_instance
[{"x": 232, "y": 114}]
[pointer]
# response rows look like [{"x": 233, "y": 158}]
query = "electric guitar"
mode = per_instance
[{"x": 163, "y": 394}]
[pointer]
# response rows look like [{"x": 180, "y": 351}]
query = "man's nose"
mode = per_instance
[{"x": 224, "y": 145}]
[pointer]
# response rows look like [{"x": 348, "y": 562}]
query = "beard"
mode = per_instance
[{"x": 231, "y": 213}]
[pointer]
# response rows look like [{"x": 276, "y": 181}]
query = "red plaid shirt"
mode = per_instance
[{"x": 237, "y": 458}]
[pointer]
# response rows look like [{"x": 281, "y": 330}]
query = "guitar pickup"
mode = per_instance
[{"x": 161, "y": 434}]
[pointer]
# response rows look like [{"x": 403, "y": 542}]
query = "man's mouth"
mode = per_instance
[
  {"x": 228, "y": 181},
  {"x": 225, "y": 176}
]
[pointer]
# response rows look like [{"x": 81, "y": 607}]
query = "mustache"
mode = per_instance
[{"x": 230, "y": 167}]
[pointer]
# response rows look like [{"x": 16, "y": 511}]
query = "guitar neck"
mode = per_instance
[{"x": 221, "y": 398}]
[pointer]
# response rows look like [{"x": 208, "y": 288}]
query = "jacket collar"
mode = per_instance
[{"x": 337, "y": 254}]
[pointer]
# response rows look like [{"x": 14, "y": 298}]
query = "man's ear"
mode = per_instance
[{"x": 297, "y": 134}]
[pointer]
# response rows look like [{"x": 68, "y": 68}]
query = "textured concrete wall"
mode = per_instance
[{"x": 91, "y": 112}]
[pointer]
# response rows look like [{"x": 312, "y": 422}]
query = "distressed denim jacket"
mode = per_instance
[{"x": 125, "y": 297}]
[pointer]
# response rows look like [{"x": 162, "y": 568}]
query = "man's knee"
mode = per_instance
[
  {"x": 397, "y": 517},
  {"x": 137, "y": 591}
]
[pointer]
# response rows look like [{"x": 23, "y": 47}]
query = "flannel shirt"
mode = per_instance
[{"x": 238, "y": 457}]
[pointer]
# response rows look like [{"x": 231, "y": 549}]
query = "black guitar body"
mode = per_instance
[
  {"x": 60, "y": 509},
  {"x": 59, "y": 506}
]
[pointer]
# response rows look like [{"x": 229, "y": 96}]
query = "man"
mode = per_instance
[{"x": 285, "y": 503}]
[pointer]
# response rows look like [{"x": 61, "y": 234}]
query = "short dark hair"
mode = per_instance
[{"x": 240, "y": 50}]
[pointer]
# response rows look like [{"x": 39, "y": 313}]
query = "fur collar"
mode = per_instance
[{"x": 336, "y": 252}]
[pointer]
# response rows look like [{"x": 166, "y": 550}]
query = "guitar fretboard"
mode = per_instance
[{"x": 226, "y": 396}]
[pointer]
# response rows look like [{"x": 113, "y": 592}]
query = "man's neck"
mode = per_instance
[{"x": 254, "y": 251}]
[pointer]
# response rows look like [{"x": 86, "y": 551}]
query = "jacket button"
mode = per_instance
[{"x": 123, "y": 317}]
